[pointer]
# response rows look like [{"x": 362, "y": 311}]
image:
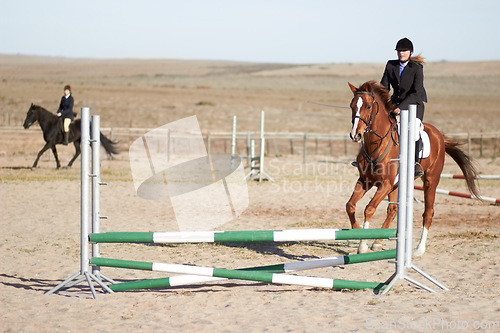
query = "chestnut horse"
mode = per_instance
[{"x": 376, "y": 128}]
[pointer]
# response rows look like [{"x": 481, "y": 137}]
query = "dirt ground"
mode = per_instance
[{"x": 40, "y": 208}]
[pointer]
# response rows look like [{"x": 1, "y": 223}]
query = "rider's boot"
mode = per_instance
[
  {"x": 66, "y": 136},
  {"x": 419, "y": 172}
]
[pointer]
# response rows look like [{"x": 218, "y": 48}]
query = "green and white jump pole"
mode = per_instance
[
  {"x": 300, "y": 235},
  {"x": 270, "y": 274}
]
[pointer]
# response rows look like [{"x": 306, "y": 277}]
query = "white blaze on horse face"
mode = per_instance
[{"x": 359, "y": 104}]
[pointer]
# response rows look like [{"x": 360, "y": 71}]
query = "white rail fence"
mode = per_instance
[{"x": 479, "y": 144}]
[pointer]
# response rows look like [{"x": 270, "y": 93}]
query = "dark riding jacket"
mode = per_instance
[
  {"x": 66, "y": 107},
  {"x": 409, "y": 89}
]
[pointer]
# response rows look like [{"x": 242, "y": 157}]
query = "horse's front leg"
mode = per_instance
[
  {"x": 54, "y": 151},
  {"x": 357, "y": 194},
  {"x": 382, "y": 191},
  {"x": 40, "y": 153},
  {"x": 392, "y": 210}
]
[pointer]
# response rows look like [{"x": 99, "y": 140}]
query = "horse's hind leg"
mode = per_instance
[
  {"x": 77, "y": 153},
  {"x": 392, "y": 210},
  {"x": 429, "y": 198}
]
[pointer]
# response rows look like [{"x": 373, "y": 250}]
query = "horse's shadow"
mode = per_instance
[
  {"x": 20, "y": 282},
  {"x": 16, "y": 168},
  {"x": 44, "y": 285},
  {"x": 280, "y": 249}
]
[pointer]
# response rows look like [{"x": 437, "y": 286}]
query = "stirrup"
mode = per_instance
[{"x": 418, "y": 170}]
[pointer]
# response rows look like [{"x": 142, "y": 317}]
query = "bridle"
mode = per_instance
[
  {"x": 369, "y": 122},
  {"x": 369, "y": 158}
]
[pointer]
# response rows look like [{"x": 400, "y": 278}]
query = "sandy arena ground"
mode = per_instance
[{"x": 40, "y": 208}]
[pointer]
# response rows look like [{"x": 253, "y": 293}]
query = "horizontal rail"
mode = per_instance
[
  {"x": 241, "y": 236},
  {"x": 264, "y": 274}
]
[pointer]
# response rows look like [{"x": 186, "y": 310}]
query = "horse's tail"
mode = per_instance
[
  {"x": 464, "y": 161},
  {"x": 109, "y": 145}
]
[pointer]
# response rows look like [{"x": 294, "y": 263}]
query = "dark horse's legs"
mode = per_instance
[
  {"x": 54, "y": 151},
  {"x": 43, "y": 150},
  {"x": 76, "y": 143}
]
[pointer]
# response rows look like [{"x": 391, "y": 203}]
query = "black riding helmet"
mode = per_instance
[{"x": 404, "y": 45}]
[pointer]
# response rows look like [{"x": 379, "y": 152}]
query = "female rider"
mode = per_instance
[{"x": 406, "y": 77}]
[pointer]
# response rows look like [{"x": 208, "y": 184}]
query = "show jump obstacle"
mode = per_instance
[
  {"x": 256, "y": 163},
  {"x": 90, "y": 269}
]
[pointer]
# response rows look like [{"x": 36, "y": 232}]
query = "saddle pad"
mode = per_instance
[
  {"x": 426, "y": 143},
  {"x": 426, "y": 150}
]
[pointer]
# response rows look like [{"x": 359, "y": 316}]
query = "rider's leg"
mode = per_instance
[
  {"x": 66, "y": 123},
  {"x": 419, "y": 172},
  {"x": 418, "y": 168}
]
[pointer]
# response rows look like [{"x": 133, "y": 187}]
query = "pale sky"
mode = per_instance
[{"x": 287, "y": 31}]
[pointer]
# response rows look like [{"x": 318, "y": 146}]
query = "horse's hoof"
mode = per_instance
[
  {"x": 363, "y": 248},
  {"x": 376, "y": 247},
  {"x": 419, "y": 252}
]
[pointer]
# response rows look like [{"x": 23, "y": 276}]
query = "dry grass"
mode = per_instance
[{"x": 148, "y": 93}]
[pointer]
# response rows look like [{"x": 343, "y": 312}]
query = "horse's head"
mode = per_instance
[
  {"x": 363, "y": 106},
  {"x": 31, "y": 116}
]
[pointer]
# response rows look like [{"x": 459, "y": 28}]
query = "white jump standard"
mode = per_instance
[
  {"x": 86, "y": 141},
  {"x": 405, "y": 206}
]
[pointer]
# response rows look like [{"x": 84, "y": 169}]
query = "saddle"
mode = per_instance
[
  {"x": 425, "y": 146},
  {"x": 61, "y": 125}
]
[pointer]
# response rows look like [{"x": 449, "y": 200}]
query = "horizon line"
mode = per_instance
[{"x": 227, "y": 60}]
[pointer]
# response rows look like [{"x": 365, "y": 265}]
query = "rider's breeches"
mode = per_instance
[{"x": 66, "y": 123}]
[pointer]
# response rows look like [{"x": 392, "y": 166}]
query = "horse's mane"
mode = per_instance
[
  {"x": 379, "y": 90},
  {"x": 36, "y": 106},
  {"x": 41, "y": 108}
]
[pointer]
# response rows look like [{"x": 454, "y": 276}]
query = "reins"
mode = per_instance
[{"x": 369, "y": 158}]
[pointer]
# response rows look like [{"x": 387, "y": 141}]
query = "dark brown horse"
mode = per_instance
[
  {"x": 376, "y": 128},
  {"x": 53, "y": 133}
]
